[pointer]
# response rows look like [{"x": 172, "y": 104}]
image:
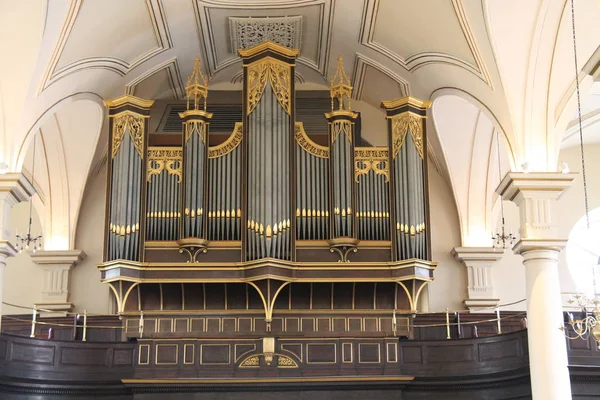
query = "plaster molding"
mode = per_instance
[
  {"x": 418, "y": 60},
  {"x": 57, "y": 266},
  {"x": 479, "y": 262},
  {"x": 361, "y": 64},
  {"x": 121, "y": 67},
  {"x": 536, "y": 194},
  {"x": 206, "y": 36},
  {"x": 175, "y": 80},
  {"x": 6, "y": 250},
  {"x": 17, "y": 186}
]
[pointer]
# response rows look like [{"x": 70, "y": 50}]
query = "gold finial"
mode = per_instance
[
  {"x": 340, "y": 87},
  {"x": 197, "y": 87}
]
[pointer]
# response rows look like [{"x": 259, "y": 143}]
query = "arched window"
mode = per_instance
[{"x": 583, "y": 253}]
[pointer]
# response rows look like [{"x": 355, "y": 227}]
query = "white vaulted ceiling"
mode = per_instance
[{"x": 482, "y": 52}]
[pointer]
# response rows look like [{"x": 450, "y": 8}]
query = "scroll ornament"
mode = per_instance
[
  {"x": 400, "y": 127},
  {"x": 132, "y": 123},
  {"x": 278, "y": 74},
  {"x": 161, "y": 159},
  {"x": 308, "y": 145},
  {"x": 367, "y": 159}
]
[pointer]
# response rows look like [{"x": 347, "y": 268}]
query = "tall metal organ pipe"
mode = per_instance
[
  {"x": 126, "y": 189},
  {"x": 269, "y": 157},
  {"x": 409, "y": 196}
]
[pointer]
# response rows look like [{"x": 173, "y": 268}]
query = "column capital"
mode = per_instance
[
  {"x": 535, "y": 194},
  {"x": 57, "y": 266},
  {"x": 548, "y": 185},
  {"x": 471, "y": 255},
  {"x": 479, "y": 261},
  {"x": 555, "y": 246},
  {"x": 65, "y": 258},
  {"x": 16, "y": 187}
]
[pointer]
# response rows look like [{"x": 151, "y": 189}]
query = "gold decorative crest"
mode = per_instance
[
  {"x": 371, "y": 158},
  {"x": 341, "y": 126},
  {"x": 228, "y": 145},
  {"x": 400, "y": 126},
  {"x": 251, "y": 362},
  {"x": 161, "y": 158},
  {"x": 278, "y": 73},
  {"x": 307, "y": 144},
  {"x": 132, "y": 123},
  {"x": 195, "y": 126},
  {"x": 340, "y": 87},
  {"x": 286, "y": 362}
]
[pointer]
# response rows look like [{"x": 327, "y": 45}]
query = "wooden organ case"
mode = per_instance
[{"x": 267, "y": 239}]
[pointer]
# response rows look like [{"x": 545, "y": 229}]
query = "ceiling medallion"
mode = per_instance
[{"x": 249, "y": 32}]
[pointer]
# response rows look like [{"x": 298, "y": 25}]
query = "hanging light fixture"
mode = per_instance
[
  {"x": 589, "y": 323},
  {"x": 501, "y": 239},
  {"x": 28, "y": 241}
]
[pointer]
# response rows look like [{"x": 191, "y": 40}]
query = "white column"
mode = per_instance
[
  {"x": 57, "y": 266},
  {"x": 14, "y": 188},
  {"x": 480, "y": 289},
  {"x": 536, "y": 195}
]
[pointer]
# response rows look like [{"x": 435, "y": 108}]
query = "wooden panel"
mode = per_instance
[
  {"x": 182, "y": 324},
  {"x": 321, "y": 298},
  {"x": 245, "y": 324},
  {"x": 363, "y": 296},
  {"x": 189, "y": 350},
  {"x": 242, "y": 349},
  {"x": 323, "y": 324},
  {"x": 499, "y": 350},
  {"x": 339, "y": 324},
  {"x": 213, "y": 325},
  {"x": 300, "y": 296},
  {"x": 277, "y": 325},
  {"x": 194, "y": 296},
  {"x": 150, "y": 293},
  {"x": 293, "y": 348},
  {"x": 236, "y": 296},
  {"x": 371, "y": 325},
  {"x": 166, "y": 354},
  {"x": 347, "y": 356},
  {"x": 292, "y": 324},
  {"x": 369, "y": 353},
  {"x": 215, "y": 296},
  {"x": 321, "y": 353},
  {"x": 448, "y": 354},
  {"x": 342, "y": 296},
  {"x": 172, "y": 296},
  {"x": 144, "y": 354},
  {"x": 78, "y": 356},
  {"x": 123, "y": 357},
  {"x": 229, "y": 325},
  {"x": 411, "y": 354},
  {"x": 283, "y": 299},
  {"x": 198, "y": 325},
  {"x": 32, "y": 354},
  {"x": 165, "y": 325},
  {"x": 215, "y": 354},
  {"x": 385, "y": 295},
  {"x": 355, "y": 324},
  {"x": 391, "y": 352},
  {"x": 307, "y": 324}
]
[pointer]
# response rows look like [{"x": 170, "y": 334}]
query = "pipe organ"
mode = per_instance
[{"x": 272, "y": 219}]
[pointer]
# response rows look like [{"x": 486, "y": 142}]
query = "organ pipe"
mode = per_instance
[
  {"x": 196, "y": 120},
  {"x": 341, "y": 121},
  {"x": 126, "y": 189},
  {"x": 268, "y": 152},
  {"x": 409, "y": 198}
]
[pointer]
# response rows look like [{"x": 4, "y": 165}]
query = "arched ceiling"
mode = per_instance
[{"x": 511, "y": 58}]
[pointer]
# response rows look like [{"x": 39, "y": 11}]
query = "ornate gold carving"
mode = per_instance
[
  {"x": 341, "y": 89},
  {"x": 128, "y": 99},
  {"x": 161, "y": 158},
  {"x": 286, "y": 362},
  {"x": 228, "y": 145},
  {"x": 132, "y": 122},
  {"x": 269, "y": 45},
  {"x": 251, "y": 362},
  {"x": 195, "y": 126},
  {"x": 367, "y": 158},
  {"x": 278, "y": 73},
  {"x": 401, "y": 124},
  {"x": 341, "y": 126},
  {"x": 197, "y": 87},
  {"x": 404, "y": 101},
  {"x": 308, "y": 145}
]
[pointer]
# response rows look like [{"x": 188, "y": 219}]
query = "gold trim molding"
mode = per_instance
[
  {"x": 408, "y": 100},
  {"x": 129, "y": 99},
  {"x": 166, "y": 158},
  {"x": 266, "y": 46},
  {"x": 401, "y": 124},
  {"x": 307, "y": 144},
  {"x": 232, "y": 142}
]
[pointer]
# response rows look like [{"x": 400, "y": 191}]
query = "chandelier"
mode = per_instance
[
  {"x": 501, "y": 239},
  {"x": 27, "y": 241},
  {"x": 589, "y": 323}
]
